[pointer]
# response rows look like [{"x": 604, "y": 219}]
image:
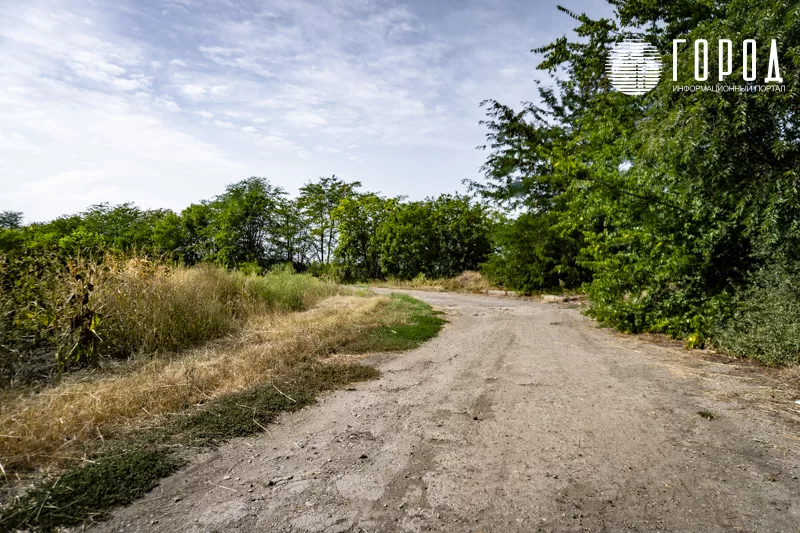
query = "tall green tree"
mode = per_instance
[
  {"x": 245, "y": 222},
  {"x": 679, "y": 197},
  {"x": 359, "y": 219},
  {"x": 439, "y": 237},
  {"x": 318, "y": 200},
  {"x": 292, "y": 235},
  {"x": 10, "y": 219}
]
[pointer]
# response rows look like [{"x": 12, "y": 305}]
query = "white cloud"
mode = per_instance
[
  {"x": 304, "y": 119},
  {"x": 326, "y": 149}
]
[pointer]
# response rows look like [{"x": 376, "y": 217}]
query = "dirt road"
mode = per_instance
[{"x": 519, "y": 417}]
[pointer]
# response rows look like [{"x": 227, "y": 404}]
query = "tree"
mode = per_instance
[
  {"x": 438, "y": 237},
  {"x": 245, "y": 221},
  {"x": 292, "y": 240},
  {"x": 10, "y": 219},
  {"x": 359, "y": 219},
  {"x": 197, "y": 231},
  {"x": 532, "y": 254},
  {"x": 124, "y": 226},
  {"x": 677, "y": 197},
  {"x": 318, "y": 200}
]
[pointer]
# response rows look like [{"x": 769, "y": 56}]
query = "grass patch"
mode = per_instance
[
  {"x": 135, "y": 465},
  {"x": 90, "y": 491},
  {"x": 233, "y": 389},
  {"x": 406, "y": 323}
]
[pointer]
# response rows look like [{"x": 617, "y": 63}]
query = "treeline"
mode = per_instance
[
  {"x": 329, "y": 228},
  {"x": 679, "y": 212}
]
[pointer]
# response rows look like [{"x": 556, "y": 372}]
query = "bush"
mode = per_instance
[
  {"x": 766, "y": 323},
  {"x": 533, "y": 255}
]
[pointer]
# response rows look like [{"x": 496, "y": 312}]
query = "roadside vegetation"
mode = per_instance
[
  {"x": 468, "y": 281},
  {"x": 61, "y": 313},
  {"x": 115, "y": 355},
  {"x": 677, "y": 212},
  {"x": 104, "y": 435}
]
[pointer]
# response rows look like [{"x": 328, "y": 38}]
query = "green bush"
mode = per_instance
[
  {"x": 766, "y": 323},
  {"x": 533, "y": 254}
]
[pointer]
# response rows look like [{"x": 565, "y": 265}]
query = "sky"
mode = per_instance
[{"x": 164, "y": 102}]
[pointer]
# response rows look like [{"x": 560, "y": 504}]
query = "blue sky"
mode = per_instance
[{"x": 165, "y": 102}]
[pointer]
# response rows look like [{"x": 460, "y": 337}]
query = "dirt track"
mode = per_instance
[{"x": 519, "y": 417}]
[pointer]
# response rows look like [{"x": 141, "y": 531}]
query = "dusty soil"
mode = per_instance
[{"x": 519, "y": 417}]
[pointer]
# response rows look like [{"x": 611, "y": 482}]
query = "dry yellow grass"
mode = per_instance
[
  {"x": 468, "y": 281},
  {"x": 52, "y": 427}
]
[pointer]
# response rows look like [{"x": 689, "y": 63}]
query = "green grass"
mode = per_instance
[
  {"x": 407, "y": 323},
  {"x": 87, "y": 492},
  {"x": 130, "y": 467}
]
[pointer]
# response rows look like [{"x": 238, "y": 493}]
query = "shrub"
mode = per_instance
[{"x": 766, "y": 322}]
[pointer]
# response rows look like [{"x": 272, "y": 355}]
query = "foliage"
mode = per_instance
[
  {"x": 359, "y": 219},
  {"x": 245, "y": 223},
  {"x": 10, "y": 219},
  {"x": 671, "y": 200},
  {"x": 319, "y": 200},
  {"x": 439, "y": 237},
  {"x": 766, "y": 323},
  {"x": 534, "y": 253}
]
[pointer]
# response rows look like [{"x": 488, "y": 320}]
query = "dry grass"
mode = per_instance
[
  {"x": 468, "y": 281},
  {"x": 90, "y": 310},
  {"x": 51, "y": 428},
  {"x": 149, "y": 307}
]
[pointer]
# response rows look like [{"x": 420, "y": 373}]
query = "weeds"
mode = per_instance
[
  {"x": 406, "y": 323},
  {"x": 86, "y": 309},
  {"x": 468, "y": 281},
  {"x": 83, "y": 493},
  {"x": 275, "y": 366},
  {"x": 136, "y": 464},
  {"x": 40, "y": 429}
]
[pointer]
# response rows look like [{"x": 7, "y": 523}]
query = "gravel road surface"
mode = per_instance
[{"x": 519, "y": 417}]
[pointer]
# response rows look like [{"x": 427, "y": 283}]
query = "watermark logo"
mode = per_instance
[{"x": 634, "y": 67}]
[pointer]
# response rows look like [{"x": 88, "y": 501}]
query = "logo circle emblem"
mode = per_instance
[{"x": 634, "y": 66}]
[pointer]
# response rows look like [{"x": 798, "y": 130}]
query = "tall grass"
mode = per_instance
[
  {"x": 84, "y": 310},
  {"x": 164, "y": 310}
]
